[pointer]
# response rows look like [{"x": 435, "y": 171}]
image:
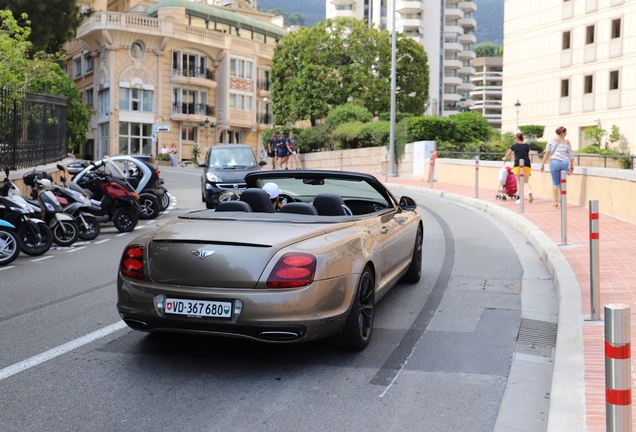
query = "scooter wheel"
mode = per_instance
[
  {"x": 36, "y": 239},
  {"x": 149, "y": 206},
  {"x": 65, "y": 233},
  {"x": 165, "y": 201},
  {"x": 125, "y": 219},
  {"x": 89, "y": 229},
  {"x": 9, "y": 246}
]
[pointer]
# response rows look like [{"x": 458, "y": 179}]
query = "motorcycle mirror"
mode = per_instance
[{"x": 60, "y": 167}]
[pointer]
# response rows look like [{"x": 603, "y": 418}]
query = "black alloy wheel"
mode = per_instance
[
  {"x": 65, "y": 233},
  {"x": 149, "y": 206},
  {"x": 9, "y": 246},
  {"x": 36, "y": 239},
  {"x": 414, "y": 272},
  {"x": 125, "y": 219},
  {"x": 89, "y": 228},
  {"x": 357, "y": 330}
]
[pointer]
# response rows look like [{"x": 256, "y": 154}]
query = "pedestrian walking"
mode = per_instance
[
  {"x": 293, "y": 150},
  {"x": 521, "y": 151},
  {"x": 559, "y": 151},
  {"x": 173, "y": 154},
  {"x": 281, "y": 149},
  {"x": 271, "y": 149}
]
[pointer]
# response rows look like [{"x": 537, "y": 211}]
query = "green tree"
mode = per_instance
[
  {"x": 411, "y": 77},
  {"x": 469, "y": 127},
  {"x": 533, "y": 131},
  {"x": 314, "y": 138},
  {"x": 348, "y": 113},
  {"x": 14, "y": 65},
  {"x": 57, "y": 21},
  {"x": 487, "y": 49},
  {"x": 595, "y": 134}
]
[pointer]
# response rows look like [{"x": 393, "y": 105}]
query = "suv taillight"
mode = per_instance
[
  {"x": 293, "y": 270},
  {"x": 132, "y": 262}
]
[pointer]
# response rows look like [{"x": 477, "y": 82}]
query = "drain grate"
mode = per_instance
[{"x": 536, "y": 337}]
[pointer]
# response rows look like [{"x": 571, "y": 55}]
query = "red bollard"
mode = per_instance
[
  {"x": 564, "y": 203},
  {"x": 618, "y": 382},
  {"x": 476, "y": 178}
]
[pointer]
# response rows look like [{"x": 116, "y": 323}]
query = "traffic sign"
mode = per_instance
[{"x": 161, "y": 128}]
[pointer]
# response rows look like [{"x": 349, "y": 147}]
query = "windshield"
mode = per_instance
[
  {"x": 231, "y": 158},
  {"x": 109, "y": 167}
]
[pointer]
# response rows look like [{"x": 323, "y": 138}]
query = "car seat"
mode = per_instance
[
  {"x": 330, "y": 204},
  {"x": 233, "y": 206},
  {"x": 258, "y": 200},
  {"x": 299, "y": 208}
]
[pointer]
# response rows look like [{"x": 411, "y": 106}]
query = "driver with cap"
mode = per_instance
[{"x": 273, "y": 191}]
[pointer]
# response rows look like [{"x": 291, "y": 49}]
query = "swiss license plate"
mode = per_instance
[{"x": 199, "y": 308}]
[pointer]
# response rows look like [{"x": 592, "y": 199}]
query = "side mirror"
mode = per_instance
[
  {"x": 203, "y": 164},
  {"x": 262, "y": 163},
  {"x": 407, "y": 203},
  {"x": 60, "y": 167}
]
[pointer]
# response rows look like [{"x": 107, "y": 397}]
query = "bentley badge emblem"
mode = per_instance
[{"x": 202, "y": 253}]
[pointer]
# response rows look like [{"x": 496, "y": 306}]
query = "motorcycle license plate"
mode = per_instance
[{"x": 198, "y": 308}]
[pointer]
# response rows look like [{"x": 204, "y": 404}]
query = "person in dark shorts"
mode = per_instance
[
  {"x": 521, "y": 151},
  {"x": 293, "y": 151},
  {"x": 271, "y": 149},
  {"x": 282, "y": 152}
]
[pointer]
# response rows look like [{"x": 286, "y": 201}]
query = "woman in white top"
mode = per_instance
[{"x": 561, "y": 156}]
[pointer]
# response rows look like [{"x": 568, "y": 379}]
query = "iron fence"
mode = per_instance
[{"x": 32, "y": 129}]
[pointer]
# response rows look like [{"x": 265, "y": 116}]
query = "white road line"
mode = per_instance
[
  {"x": 102, "y": 241},
  {"x": 122, "y": 234},
  {"x": 76, "y": 249},
  {"x": 42, "y": 259},
  {"x": 6, "y": 268},
  {"x": 58, "y": 351},
  {"x": 166, "y": 212}
]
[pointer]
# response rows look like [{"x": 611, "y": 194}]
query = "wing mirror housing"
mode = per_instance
[
  {"x": 262, "y": 163},
  {"x": 407, "y": 203},
  {"x": 203, "y": 164}
]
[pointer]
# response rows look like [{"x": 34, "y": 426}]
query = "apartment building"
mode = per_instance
[
  {"x": 446, "y": 30},
  {"x": 488, "y": 87},
  {"x": 571, "y": 63},
  {"x": 188, "y": 72}
]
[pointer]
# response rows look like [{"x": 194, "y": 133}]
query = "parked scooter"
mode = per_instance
[
  {"x": 112, "y": 197},
  {"x": 65, "y": 230},
  {"x": 77, "y": 204},
  {"x": 34, "y": 235},
  {"x": 9, "y": 243}
]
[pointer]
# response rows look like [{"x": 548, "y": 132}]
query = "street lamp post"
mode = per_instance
[
  {"x": 517, "y": 105},
  {"x": 205, "y": 128}
]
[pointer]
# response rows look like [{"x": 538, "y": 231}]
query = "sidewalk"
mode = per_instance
[{"x": 617, "y": 267}]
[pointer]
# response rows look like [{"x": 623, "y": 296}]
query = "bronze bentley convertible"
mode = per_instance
[{"x": 314, "y": 269}]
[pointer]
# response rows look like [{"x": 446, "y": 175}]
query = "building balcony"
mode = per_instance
[
  {"x": 264, "y": 119},
  {"x": 467, "y": 55},
  {"x": 453, "y": 14},
  {"x": 409, "y": 6},
  {"x": 198, "y": 76},
  {"x": 452, "y": 80},
  {"x": 452, "y": 64},
  {"x": 466, "y": 86},
  {"x": 467, "y": 6},
  {"x": 451, "y": 97},
  {"x": 343, "y": 2},
  {"x": 453, "y": 47},
  {"x": 191, "y": 111},
  {"x": 451, "y": 31},
  {"x": 467, "y": 39},
  {"x": 348, "y": 13},
  {"x": 417, "y": 38},
  {"x": 468, "y": 23},
  {"x": 466, "y": 70},
  {"x": 411, "y": 23}
]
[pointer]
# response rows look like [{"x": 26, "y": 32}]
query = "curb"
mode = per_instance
[{"x": 567, "y": 396}]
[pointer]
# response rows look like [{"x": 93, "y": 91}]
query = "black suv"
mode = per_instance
[{"x": 224, "y": 171}]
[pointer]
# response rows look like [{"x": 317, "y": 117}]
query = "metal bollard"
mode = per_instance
[
  {"x": 386, "y": 168},
  {"x": 521, "y": 182},
  {"x": 564, "y": 201},
  {"x": 618, "y": 383},
  {"x": 476, "y": 178},
  {"x": 595, "y": 284},
  {"x": 340, "y": 161}
]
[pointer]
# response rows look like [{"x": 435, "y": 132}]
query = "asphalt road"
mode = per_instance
[{"x": 438, "y": 361}]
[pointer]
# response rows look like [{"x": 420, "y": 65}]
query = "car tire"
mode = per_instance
[
  {"x": 9, "y": 246},
  {"x": 149, "y": 206},
  {"x": 33, "y": 243},
  {"x": 65, "y": 233},
  {"x": 357, "y": 330},
  {"x": 125, "y": 219},
  {"x": 414, "y": 272}
]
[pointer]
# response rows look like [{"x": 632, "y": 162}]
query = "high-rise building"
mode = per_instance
[
  {"x": 173, "y": 71},
  {"x": 487, "y": 93},
  {"x": 571, "y": 63},
  {"x": 446, "y": 30}
]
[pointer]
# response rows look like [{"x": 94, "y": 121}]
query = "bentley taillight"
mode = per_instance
[
  {"x": 132, "y": 262},
  {"x": 293, "y": 270}
]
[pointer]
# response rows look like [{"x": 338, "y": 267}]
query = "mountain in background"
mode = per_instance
[
  {"x": 489, "y": 15},
  {"x": 312, "y": 10}
]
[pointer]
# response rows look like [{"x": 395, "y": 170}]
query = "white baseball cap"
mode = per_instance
[{"x": 272, "y": 190}]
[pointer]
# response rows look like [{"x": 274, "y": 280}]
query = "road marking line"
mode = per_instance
[
  {"x": 167, "y": 211},
  {"x": 58, "y": 351},
  {"x": 42, "y": 259},
  {"x": 102, "y": 241},
  {"x": 122, "y": 234},
  {"x": 76, "y": 249},
  {"x": 6, "y": 268}
]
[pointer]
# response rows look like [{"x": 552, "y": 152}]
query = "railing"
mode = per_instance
[
  {"x": 197, "y": 72},
  {"x": 264, "y": 119},
  {"x": 193, "y": 109},
  {"x": 263, "y": 84},
  {"x": 32, "y": 129}
]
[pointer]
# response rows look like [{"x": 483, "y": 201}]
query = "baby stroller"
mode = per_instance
[{"x": 507, "y": 184}]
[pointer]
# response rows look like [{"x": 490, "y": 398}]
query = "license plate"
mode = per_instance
[{"x": 199, "y": 308}]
